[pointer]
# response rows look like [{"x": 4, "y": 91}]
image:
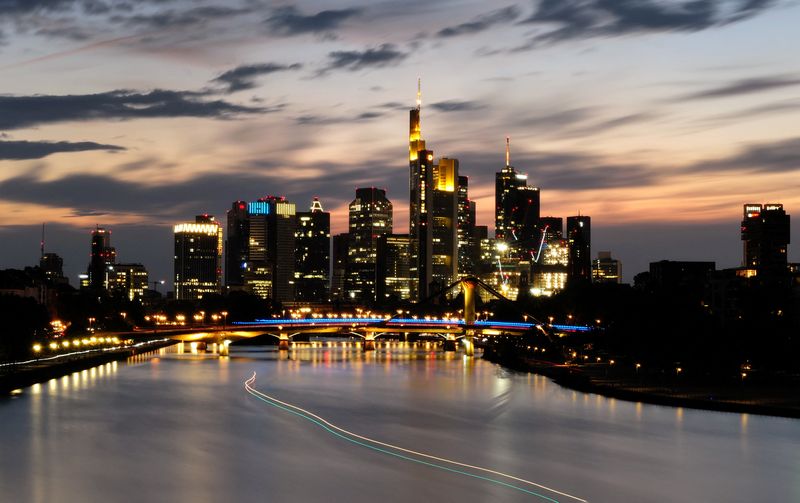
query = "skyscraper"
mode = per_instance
[
  {"x": 102, "y": 259},
  {"x": 271, "y": 249},
  {"x": 606, "y": 269},
  {"x": 433, "y": 213},
  {"x": 516, "y": 207},
  {"x": 52, "y": 267},
  {"x": 579, "y": 236},
  {"x": 198, "y": 258},
  {"x": 312, "y": 254},
  {"x": 765, "y": 233},
  {"x": 370, "y": 218},
  {"x": 236, "y": 245},
  {"x": 393, "y": 272},
  {"x": 131, "y": 280},
  {"x": 466, "y": 229},
  {"x": 339, "y": 262}
]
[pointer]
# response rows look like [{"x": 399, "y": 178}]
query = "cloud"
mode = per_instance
[
  {"x": 373, "y": 57},
  {"x": 289, "y": 21},
  {"x": 457, "y": 106},
  {"x": 582, "y": 19},
  {"x": 744, "y": 86},
  {"x": 243, "y": 77},
  {"x": 170, "y": 18},
  {"x": 27, "y": 111},
  {"x": 481, "y": 23},
  {"x": 19, "y": 150},
  {"x": 321, "y": 120},
  {"x": 782, "y": 156}
]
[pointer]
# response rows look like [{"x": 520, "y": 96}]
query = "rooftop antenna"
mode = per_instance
[
  {"x": 508, "y": 151},
  {"x": 419, "y": 93},
  {"x": 41, "y": 243}
]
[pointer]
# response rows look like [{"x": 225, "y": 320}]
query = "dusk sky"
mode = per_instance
[{"x": 658, "y": 118}]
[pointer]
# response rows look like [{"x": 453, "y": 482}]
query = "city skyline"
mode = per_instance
[{"x": 662, "y": 156}]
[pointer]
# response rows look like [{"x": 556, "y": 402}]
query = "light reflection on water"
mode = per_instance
[{"x": 175, "y": 425}]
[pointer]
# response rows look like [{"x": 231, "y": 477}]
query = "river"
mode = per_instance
[{"x": 179, "y": 426}]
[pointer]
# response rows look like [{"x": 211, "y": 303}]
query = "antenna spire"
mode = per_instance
[
  {"x": 41, "y": 244},
  {"x": 508, "y": 151},
  {"x": 419, "y": 93}
]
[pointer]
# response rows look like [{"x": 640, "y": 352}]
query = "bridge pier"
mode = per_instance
[
  {"x": 450, "y": 343},
  {"x": 369, "y": 341},
  {"x": 283, "y": 341},
  {"x": 468, "y": 287}
]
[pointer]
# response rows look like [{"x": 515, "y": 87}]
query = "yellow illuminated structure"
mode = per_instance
[{"x": 198, "y": 258}]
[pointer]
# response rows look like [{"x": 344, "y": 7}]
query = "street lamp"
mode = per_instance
[{"x": 224, "y": 318}]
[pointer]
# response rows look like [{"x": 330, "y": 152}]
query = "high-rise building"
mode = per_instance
[
  {"x": 765, "y": 233},
  {"x": 433, "y": 213},
  {"x": 237, "y": 245},
  {"x": 370, "y": 218},
  {"x": 550, "y": 268},
  {"x": 52, "y": 267},
  {"x": 579, "y": 235},
  {"x": 466, "y": 229},
  {"x": 341, "y": 244},
  {"x": 393, "y": 266},
  {"x": 198, "y": 258},
  {"x": 271, "y": 249},
  {"x": 606, "y": 269},
  {"x": 517, "y": 207},
  {"x": 103, "y": 257},
  {"x": 313, "y": 256}
]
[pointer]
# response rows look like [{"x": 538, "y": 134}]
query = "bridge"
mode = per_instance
[{"x": 452, "y": 330}]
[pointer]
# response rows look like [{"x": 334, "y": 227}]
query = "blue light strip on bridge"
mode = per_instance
[{"x": 572, "y": 328}]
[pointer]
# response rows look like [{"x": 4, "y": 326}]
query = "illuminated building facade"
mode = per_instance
[
  {"x": 765, "y": 235},
  {"x": 101, "y": 262},
  {"x": 198, "y": 258},
  {"x": 269, "y": 270},
  {"x": 393, "y": 264},
  {"x": 370, "y": 218},
  {"x": 444, "y": 238},
  {"x": 550, "y": 270},
  {"x": 131, "y": 280},
  {"x": 579, "y": 236},
  {"x": 606, "y": 269},
  {"x": 312, "y": 254}
]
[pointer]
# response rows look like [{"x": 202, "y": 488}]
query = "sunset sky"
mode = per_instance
[{"x": 658, "y": 118}]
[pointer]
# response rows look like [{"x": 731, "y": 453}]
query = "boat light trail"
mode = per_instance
[{"x": 351, "y": 437}]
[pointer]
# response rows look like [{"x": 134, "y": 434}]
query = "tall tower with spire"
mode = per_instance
[{"x": 516, "y": 212}]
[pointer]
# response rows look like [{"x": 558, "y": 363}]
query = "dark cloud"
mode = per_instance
[
  {"x": 581, "y": 19},
  {"x": 28, "y": 111},
  {"x": 482, "y": 22},
  {"x": 321, "y": 120},
  {"x": 457, "y": 106},
  {"x": 288, "y": 21},
  {"x": 776, "y": 157},
  {"x": 744, "y": 86},
  {"x": 171, "y": 18},
  {"x": 373, "y": 57},
  {"x": 19, "y": 150},
  {"x": 243, "y": 77},
  {"x": 12, "y": 7}
]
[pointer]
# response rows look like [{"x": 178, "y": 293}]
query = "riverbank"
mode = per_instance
[
  {"x": 41, "y": 371},
  {"x": 762, "y": 400}
]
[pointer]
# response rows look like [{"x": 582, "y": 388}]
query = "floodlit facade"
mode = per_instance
[
  {"x": 198, "y": 258},
  {"x": 270, "y": 265},
  {"x": 370, "y": 218}
]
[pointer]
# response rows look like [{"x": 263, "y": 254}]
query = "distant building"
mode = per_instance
[
  {"x": 550, "y": 271},
  {"x": 269, "y": 272},
  {"x": 765, "y": 233},
  {"x": 517, "y": 207},
  {"x": 393, "y": 267},
  {"x": 606, "y": 269},
  {"x": 444, "y": 258},
  {"x": 198, "y": 257},
  {"x": 237, "y": 245},
  {"x": 370, "y": 218},
  {"x": 466, "y": 229},
  {"x": 669, "y": 275},
  {"x": 579, "y": 236},
  {"x": 102, "y": 259},
  {"x": 132, "y": 280},
  {"x": 52, "y": 267},
  {"x": 339, "y": 261},
  {"x": 312, "y": 254}
]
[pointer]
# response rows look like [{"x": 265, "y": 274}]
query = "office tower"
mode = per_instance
[
  {"x": 765, "y": 233},
  {"x": 370, "y": 218},
  {"x": 52, "y": 267},
  {"x": 341, "y": 243},
  {"x": 236, "y": 245},
  {"x": 393, "y": 267},
  {"x": 550, "y": 269},
  {"x": 606, "y": 269},
  {"x": 198, "y": 258},
  {"x": 516, "y": 206},
  {"x": 552, "y": 226},
  {"x": 130, "y": 280},
  {"x": 271, "y": 249},
  {"x": 312, "y": 254},
  {"x": 444, "y": 236},
  {"x": 466, "y": 229},
  {"x": 579, "y": 236},
  {"x": 103, "y": 257}
]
